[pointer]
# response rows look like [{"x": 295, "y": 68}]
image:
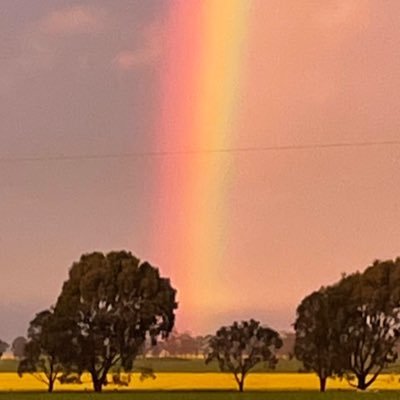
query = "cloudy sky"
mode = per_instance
[{"x": 81, "y": 78}]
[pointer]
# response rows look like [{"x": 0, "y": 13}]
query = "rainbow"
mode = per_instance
[{"x": 200, "y": 87}]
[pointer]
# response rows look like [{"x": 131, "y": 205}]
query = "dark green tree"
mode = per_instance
[
  {"x": 316, "y": 344},
  {"x": 18, "y": 347},
  {"x": 369, "y": 320},
  {"x": 351, "y": 328},
  {"x": 48, "y": 342},
  {"x": 114, "y": 302},
  {"x": 3, "y": 347},
  {"x": 241, "y": 346}
]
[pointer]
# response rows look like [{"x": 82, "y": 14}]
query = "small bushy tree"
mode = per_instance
[
  {"x": 49, "y": 342},
  {"x": 3, "y": 347},
  {"x": 315, "y": 344},
  {"x": 18, "y": 347},
  {"x": 240, "y": 347}
]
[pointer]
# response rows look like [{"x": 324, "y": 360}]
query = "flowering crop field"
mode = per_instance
[
  {"x": 176, "y": 364},
  {"x": 200, "y": 381},
  {"x": 204, "y": 396}
]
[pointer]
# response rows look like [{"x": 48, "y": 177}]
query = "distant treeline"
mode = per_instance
[{"x": 114, "y": 308}]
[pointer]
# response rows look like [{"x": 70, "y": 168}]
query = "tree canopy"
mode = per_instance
[
  {"x": 113, "y": 303},
  {"x": 369, "y": 320},
  {"x": 351, "y": 328},
  {"x": 241, "y": 346},
  {"x": 18, "y": 347},
  {"x": 49, "y": 342},
  {"x": 3, "y": 347},
  {"x": 315, "y": 343}
]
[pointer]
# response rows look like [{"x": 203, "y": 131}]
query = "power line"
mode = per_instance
[{"x": 167, "y": 153}]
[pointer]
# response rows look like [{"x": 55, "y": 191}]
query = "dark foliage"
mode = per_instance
[
  {"x": 3, "y": 347},
  {"x": 18, "y": 347},
  {"x": 114, "y": 302},
  {"x": 351, "y": 328},
  {"x": 316, "y": 344},
  {"x": 49, "y": 341},
  {"x": 241, "y": 346}
]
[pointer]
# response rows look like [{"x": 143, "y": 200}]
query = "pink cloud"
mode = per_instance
[
  {"x": 73, "y": 20},
  {"x": 147, "y": 54}
]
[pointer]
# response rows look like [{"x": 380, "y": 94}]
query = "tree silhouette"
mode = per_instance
[
  {"x": 241, "y": 346},
  {"x": 351, "y": 328},
  {"x": 48, "y": 343},
  {"x": 369, "y": 320},
  {"x": 3, "y": 347},
  {"x": 114, "y": 302},
  {"x": 316, "y": 345},
  {"x": 18, "y": 347}
]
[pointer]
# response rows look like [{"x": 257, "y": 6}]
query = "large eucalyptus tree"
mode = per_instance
[
  {"x": 113, "y": 303},
  {"x": 351, "y": 328}
]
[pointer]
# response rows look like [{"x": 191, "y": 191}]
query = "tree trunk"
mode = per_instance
[
  {"x": 50, "y": 376},
  {"x": 97, "y": 385},
  {"x": 241, "y": 385},
  {"x": 97, "y": 382},
  {"x": 322, "y": 384},
  {"x": 361, "y": 382},
  {"x": 51, "y": 386},
  {"x": 100, "y": 378}
]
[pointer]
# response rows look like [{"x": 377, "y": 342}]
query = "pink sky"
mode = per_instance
[{"x": 84, "y": 78}]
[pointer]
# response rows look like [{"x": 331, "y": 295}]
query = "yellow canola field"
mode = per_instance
[{"x": 187, "y": 381}]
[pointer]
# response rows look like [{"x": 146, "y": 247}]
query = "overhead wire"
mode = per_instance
[{"x": 221, "y": 150}]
